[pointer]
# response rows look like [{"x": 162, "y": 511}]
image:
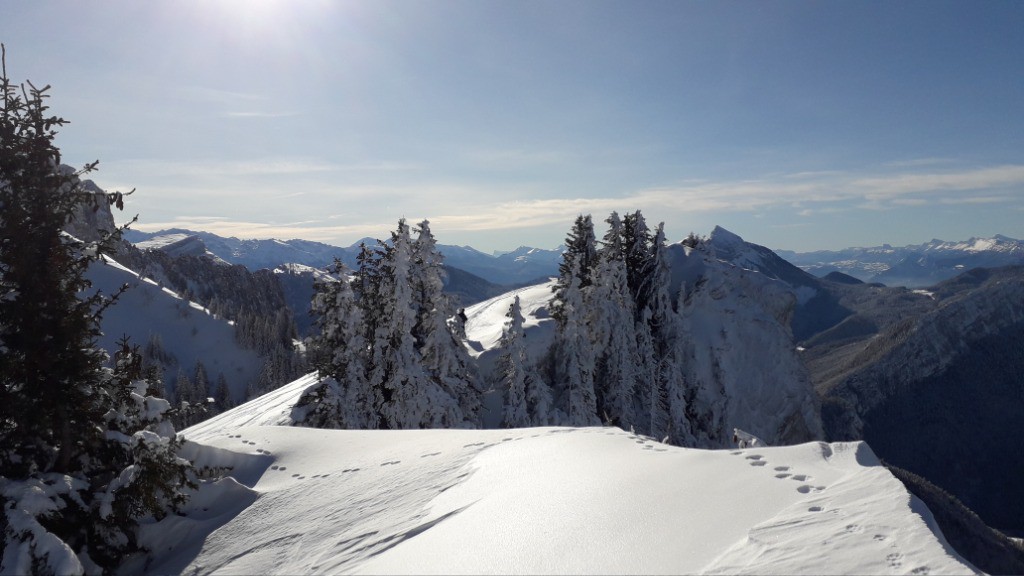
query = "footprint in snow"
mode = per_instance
[
  {"x": 782, "y": 475},
  {"x": 781, "y": 468},
  {"x": 754, "y": 457},
  {"x": 879, "y": 537},
  {"x": 758, "y": 463},
  {"x": 275, "y": 467},
  {"x": 506, "y": 439},
  {"x": 801, "y": 477},
  {"x": 921, "y": 570},
  {"x": 805, "y": 489},
  {"x": 814, "y": 509},
  {"x": 473, "y": 444},
  {"x": 430, "y": 454},
  {"x": 393, "y": 462}
]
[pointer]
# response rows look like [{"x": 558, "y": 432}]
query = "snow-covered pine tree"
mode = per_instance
[
  {"x": 665, "y": 334},
  {"x": 609, "y": 318},
  {"x": 574, "y": 358},
  {"x": 411, "y": 399},
  {"x": 653, "y": 407},
  {"x": 342, "y": 398},
  {"x": 443, "y": 355},
  {"x": 149, "y": 478},
  {"x": 581, "y": 252},
  {"x": 510, "y": 371},
  {"x": 60, "y": 479},
  {"x": 636, "y": 241},
  {"x": 527, "y": 396}
]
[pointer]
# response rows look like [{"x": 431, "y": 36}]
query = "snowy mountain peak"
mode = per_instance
[
  {"x": 180, "y": 244},
  {"x": 722, "y": 237}
]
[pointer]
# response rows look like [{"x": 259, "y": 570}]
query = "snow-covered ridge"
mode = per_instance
[
  {"x": 185, "y": 330},
  {"x": 536, "y": 500}
]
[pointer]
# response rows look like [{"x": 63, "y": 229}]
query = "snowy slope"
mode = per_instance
[
  {"x": 180, "y": 244},
  {"x": 187, "y": 331},
  {"x": 542, "y": 500}
]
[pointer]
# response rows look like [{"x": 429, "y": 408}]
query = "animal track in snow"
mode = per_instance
[
  {"x": 781, "y": 468},
  {"x": 758, "y": 463},
  {"x": 783, "y": 475},
  {"x": 814, "y": 509},
  {"x": 801, "y": 477},
  {"x": 879, "y": 537},
  {"x": 391, "y": 463},
  {"x": 806, "y": 489}
]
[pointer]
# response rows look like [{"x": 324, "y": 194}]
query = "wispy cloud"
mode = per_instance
[
  {"x": 349, "y": 211},
  {"x": 260, "y": 114}
]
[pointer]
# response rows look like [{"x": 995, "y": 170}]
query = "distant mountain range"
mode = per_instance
[
  {"x": 520, "y": 267},
  {"x": 913, "y": 266}
]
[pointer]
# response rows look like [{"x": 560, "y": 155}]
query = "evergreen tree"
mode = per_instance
[
  {"x": 578, "y": 261},
  {"x": 527, "y": 397},
  {"x": 574, "y": 359},
  {"x": 665, "y": 331},
  {"x": 222, "y": 395},
  {"x": 201, "y": 383},
  {"x": 342, "y": 398},
  {"x": 636, "y": 240},
  {"x": 438, "y": 329},
  {"x": 81, "y": 457},
  {"x": 610, "y": 316},
  {"x": 410, "y": 398}
]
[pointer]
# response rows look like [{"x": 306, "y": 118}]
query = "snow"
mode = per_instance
[
  {"x": 161, "y": 242},
  {"x": 186, "y": 329},
  {"x": 534, "y": 500},
  {"x": 486, "y": 320}
]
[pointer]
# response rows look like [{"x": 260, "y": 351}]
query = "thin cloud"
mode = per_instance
[
  {"x": 260, "y": 114},
  {"x": 347, "y": 211}
]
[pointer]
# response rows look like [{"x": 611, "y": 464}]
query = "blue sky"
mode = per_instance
[{"x": 798, "y": 125}]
